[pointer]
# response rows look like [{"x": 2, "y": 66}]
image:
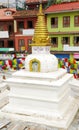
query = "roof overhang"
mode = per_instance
[{"x": 64, "y": 11}]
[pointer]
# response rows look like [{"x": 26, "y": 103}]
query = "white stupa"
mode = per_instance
[
  {"x": 41, "y": 92},
  {"x": 74, "y": 83}
]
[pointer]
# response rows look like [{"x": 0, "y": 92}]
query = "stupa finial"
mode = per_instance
[
  {"x": 40, "y": 8},
  {"x": 40, "y": 37}
]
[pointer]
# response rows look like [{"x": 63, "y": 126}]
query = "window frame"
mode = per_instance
[
  {"x": 1, "y": 43},
  {"x": 54, "y": 22},
  {"x": 54, "y": 44},
  {"x": 66, "y": 21},
  {"x": 65, "y": 43},
  {"x": 76, "y": 42},
  {"x": 21, "y": 44},
  {"x": 29, "y": 41},
  {"x": 76, "y": 22},
  {"x": 11, "y": 43},
  {"x": 28, "y": 25},
  {"x": 19, "y": 28}
]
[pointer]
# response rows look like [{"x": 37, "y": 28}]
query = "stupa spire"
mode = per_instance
[
  {"x": 40, "y": 8},
  {"x": 40, "y": 37}
]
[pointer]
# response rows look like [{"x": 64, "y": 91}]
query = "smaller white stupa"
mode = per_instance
[
  {"x": 41, "y": 92},
  {"x": 74, "y": 83}
]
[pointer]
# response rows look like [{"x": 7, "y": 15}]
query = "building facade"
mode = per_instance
[
  {"x": 34, "y": 4},
  {"x": 7, "y": 37},
  {"x": 24, "y": 23},
  {"x": 63, "y": 27},
  {"x": 17, "y": 28}
]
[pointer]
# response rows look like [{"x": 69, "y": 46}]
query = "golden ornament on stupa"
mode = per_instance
[{"x": 40, "y": 37}]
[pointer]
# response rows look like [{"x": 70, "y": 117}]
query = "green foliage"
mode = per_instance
[
  {"x": 50, "y": 2},
  {"x": 20, "y": 5},
  {"x": 58, "y": 1}
]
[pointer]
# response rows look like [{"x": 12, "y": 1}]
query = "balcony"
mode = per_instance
[
  {"x": 28, "y": 32},
  {"x": 70, "y": 48},
  {"x": 4, "y": 34}
]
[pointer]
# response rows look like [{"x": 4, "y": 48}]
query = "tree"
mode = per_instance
[
  {"x": 20, "y": 5},
  {"x": 50, "y": 2}
]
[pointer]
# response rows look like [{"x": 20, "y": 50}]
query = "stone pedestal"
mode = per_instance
[{"x": 43, "y": 98}]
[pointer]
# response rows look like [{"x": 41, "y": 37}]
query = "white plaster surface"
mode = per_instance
[
  {"x": 74, "y": 84},
  {"x": 41, "y": 97},
  {"x": 48, "y": 62}
]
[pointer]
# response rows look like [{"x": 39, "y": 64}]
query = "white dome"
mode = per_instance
[{"x": 46, "y": 63}]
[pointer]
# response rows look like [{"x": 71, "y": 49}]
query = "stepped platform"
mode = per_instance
[{"x": 42, "y": 98}]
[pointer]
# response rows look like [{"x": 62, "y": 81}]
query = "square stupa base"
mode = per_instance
[
  {"x": 42, "y": 119},
  {"x": 42, "y": 98}
]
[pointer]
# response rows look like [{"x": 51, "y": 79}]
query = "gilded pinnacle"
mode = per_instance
[{"x": 40, "y": 37}]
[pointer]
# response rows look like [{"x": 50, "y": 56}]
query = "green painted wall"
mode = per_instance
[
  {"x": 61, "y": 28},
  {"x": 60, "y": 22}
]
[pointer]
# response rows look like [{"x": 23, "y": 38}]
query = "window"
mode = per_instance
[
  {"x": 21, "y": 45},
  {"x": 8, "y": 13},
  {"x": 76, "y": 41},
  {"x": 66, "y": 21},
  {"x": 29, "y": 47},
  {"x": 10, "y": 28},
  {"x": 29, "y": 24},
  {"x": 76, "y": 20},
  {"x": 11, "y": 44},
  {"x": 20, "y": 26},
  {"x": 29, "y": 41},
  {"x": 54, "y": 41},
  {"x": 66, "y": 40},
  {"x": 1, "y": 28},
  {"x": 1, "y": 44},
  {"x": 54, "y": 22}
]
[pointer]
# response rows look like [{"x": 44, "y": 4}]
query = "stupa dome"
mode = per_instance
[{"x": 41, "y": 63}]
